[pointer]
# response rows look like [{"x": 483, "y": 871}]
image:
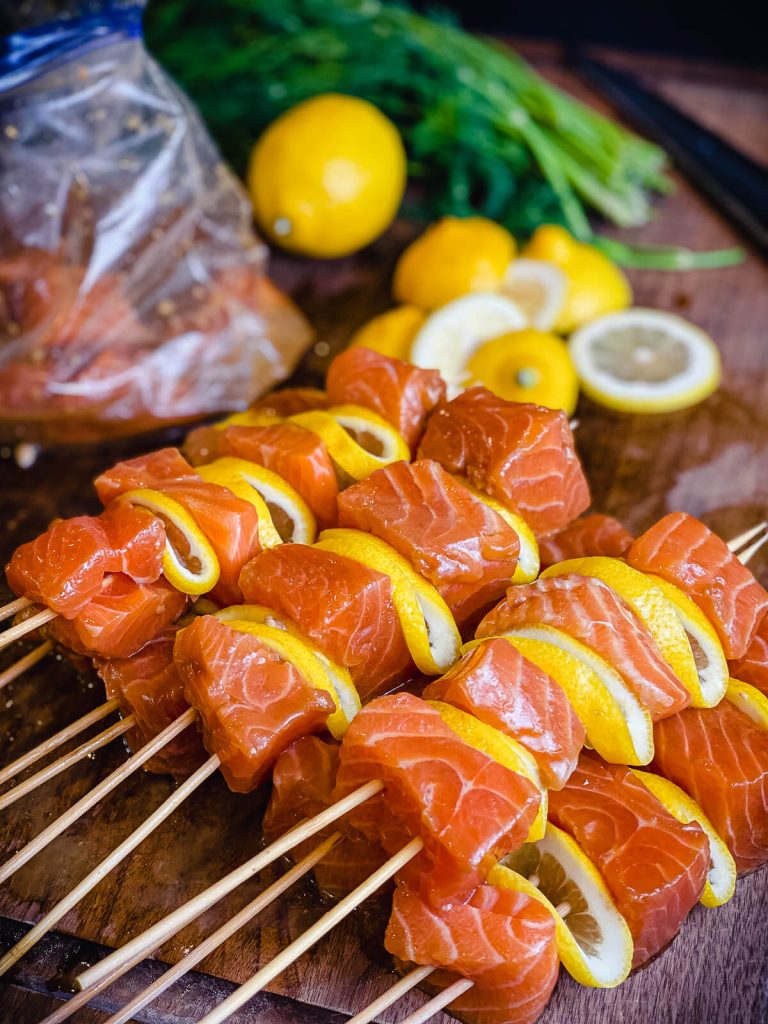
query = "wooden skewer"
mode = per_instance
[
  {"x": 18, "y": 605},
  {"x": 261, "y": 902},
  {"x": 96, "y": 794},
  {"x": 386, "y": 999},
  {"x": 438, "y": 1002},
  {"x": 111, "y": 861},
  {"x": 58, "y": 739},
  {"x": 21, "y": 666},
  {"x": 174, "y": 922},
  {"x": 744, "y": 538},
  {"x": 66, "y": 761},
  {"x": 29, "y": 625},
  {"x": 312, "y": 935},
  {"x": 748, "y": 554}
]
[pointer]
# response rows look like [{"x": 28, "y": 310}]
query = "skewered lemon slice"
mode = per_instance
[
  {"x": 189, "y": 562},
  {"x": 593, "y": 940},
  {"x": 618, "y": 726},
  {"x": 283, "y": 513},
  {"x": 247, "y": 418},
  {"x": 721, "y": 877},
  {"x": 504, "y": 749},
  {"x": 358, "y": 441},
  {"x": 750, "y": 700},
  {"x": 318, "y": 670},
  {"x": 528, "y": 564},
  {"x": 652, "y": 608},
  {"x": 708, "y": 653},
  {"x": 430, "y": 631}
]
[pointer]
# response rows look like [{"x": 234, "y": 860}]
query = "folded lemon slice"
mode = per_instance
[
  {"x": 652, "y": 608},
  {"x": 721, "y": 877},
  {"x": 501, "y": 748},
  {"x": 189, "y": 562},
  {"x": 430, "y": 630},
  {"x": 618, "y": 726},
  {"x": 528, "y": 564},
  {"x": 750, "y": 700},
  {"x": 708, "y": 653},
  {"x": 593, "y": 940},
  {"x": 358, "y": 441},
  {"x": 248, "y": 418},
  {"x": 283, "y": 514},
  {"x": 315, "y": 667}
]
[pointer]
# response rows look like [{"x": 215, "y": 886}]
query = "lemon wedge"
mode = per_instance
[
  {"x": 618, "y": 726},
  {"x": 501, "y": 748},
  {"x": 314, "y": 667},
  {"x": 358, "y": 440},
  {"x": 645, "y": 360},
  {"x": 283, "y": 513},
  {"x": 456, "y": 330},
  {"x": 189, "y": 562},
  {"x": 538, "y": 287},
  {"x": 593, "y": 940},
  {"x": 430, "y": 631},
  {"x": 528, "y": 564},
  {"x": 721, "y": 877},
  {"x": 750, "y": 700},
  {"x": 526, "y": 366}
]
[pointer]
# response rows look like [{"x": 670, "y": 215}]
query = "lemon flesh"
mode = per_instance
[{"x": 539, "y": 288}]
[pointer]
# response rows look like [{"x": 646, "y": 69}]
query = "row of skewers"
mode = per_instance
[{"x": 622, "y": 644}]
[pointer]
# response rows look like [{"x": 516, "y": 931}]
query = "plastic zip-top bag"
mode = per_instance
[{"x": 132, "y": 287}]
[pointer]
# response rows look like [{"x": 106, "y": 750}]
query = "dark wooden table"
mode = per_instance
[{"x": 711, "y": 461}]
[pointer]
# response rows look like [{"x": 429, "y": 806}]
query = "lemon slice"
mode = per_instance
[
  {"x": 650, "y": 605},
  {"x": 593, "y": 940},
  {"x": 526, "y": 366},
  {"x": 254, "y": 613},
  {"x": 618, "y": 726},
  {"x": 538, "y": 288},
  {"x": 430, "y": 631},
  {"x": 315, "y": 668},
  {"x": 721, "y": 877},
  {"x": 248, "y": 418},
  {"x": 189, "y": 562},
  {"x": 283, "y": 513},
  {"x": 503, "y": 749},
  {"x": 358, "y": 441},
  {"x": 453, "y": 332},
  {"x": 528, "y": 564},
  {"x": 750, "y": 700},
  {"x": 708, "y": 653},
  {"x": 645, "y": 360}
]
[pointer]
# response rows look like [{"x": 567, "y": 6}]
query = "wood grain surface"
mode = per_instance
[{"x": 711, "y": 461}]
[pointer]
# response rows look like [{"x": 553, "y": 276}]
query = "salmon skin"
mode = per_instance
[
  {"x": 590, "y": 535},
  {"x": 67, "y": 566},
  {"x": 469, "y": 809},
  {"x": 342, "y": 606},
  {"x": 121, "y": 619},
  {"x": 523, "y": 455},
  {"x": 303, "y": 781},
  {"x": 503, "y": 941},
  {"x": 153, "y": 470},
  {"x": 148, "y": 686},
  {"x": 464, "y": 548},
  {"x": 404, "y": 395},
  {"x": 251, "y": 703},
  {"x": 655, "y": 867},
  {"x": 753, "y": 667},
  {"x": 589, "y": 611},
  {"x": 496, "y": 684},
  {"x": 719, "y": 756},
  {"x": 685, "y": 552}
]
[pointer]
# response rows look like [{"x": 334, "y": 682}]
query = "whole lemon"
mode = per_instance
[
  {"x": 391, "y": 333},
  {"x": 327, "y": 177},
  {"x": 454, "y": 256}
]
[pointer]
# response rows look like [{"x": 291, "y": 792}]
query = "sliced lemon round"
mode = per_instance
[
  {"x": 451, "y": 335},
  {"x": 283, "y": 514},
  {"x": 318, "y": 670},
  {"x": 593, "y": 940},
  {"x": 645, "y": 360},
  {"x": 721, "y": 877},
  {"x": 358, "y": 441},
  {"x": 528, "y": 564},
  {"x": 708, "y": 654},
  {"x": 189, "y": 562},
  {"x": 750, "y": 700},
  {"x": 503, "y": 749},
  {"x": 618, "y": 726},
  {"x": 430, "y": 630},
  {"x": 539, "y": 288},
  {"x": 650, "y": 605}
]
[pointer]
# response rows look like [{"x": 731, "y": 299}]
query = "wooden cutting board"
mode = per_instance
[{"x": 711, "y": 461}]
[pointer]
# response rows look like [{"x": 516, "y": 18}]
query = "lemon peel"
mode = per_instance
[{"x": 749, "y": 700}]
